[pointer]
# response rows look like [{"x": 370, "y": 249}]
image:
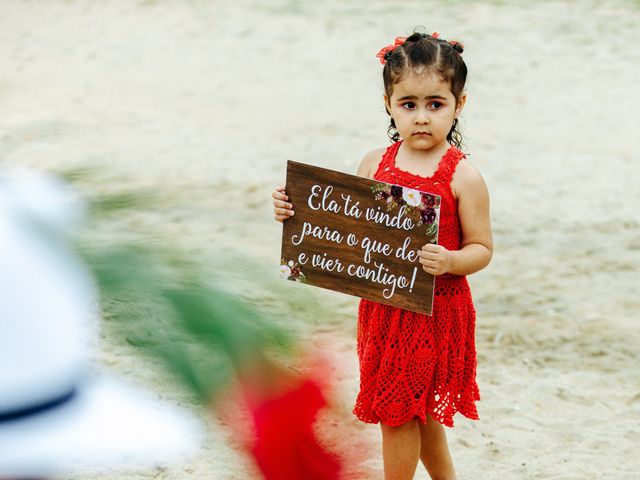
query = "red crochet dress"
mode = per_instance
[{"x": 412, "y": 364}]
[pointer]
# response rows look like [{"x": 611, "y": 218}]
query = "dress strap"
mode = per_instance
[
  {"x": 449, "y": 163},
  {"x": 387, "y": 159}
]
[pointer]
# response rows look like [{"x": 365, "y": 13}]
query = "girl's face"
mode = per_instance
[{"x": 423, "y": 109}]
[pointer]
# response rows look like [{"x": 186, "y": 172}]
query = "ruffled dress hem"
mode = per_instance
[{"x": 377, "y": 416}]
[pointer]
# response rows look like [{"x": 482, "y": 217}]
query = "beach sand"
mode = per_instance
[{"x": 204, "y": 102}]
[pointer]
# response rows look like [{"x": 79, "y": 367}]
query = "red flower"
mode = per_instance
[{"x": 399, "y": 41}]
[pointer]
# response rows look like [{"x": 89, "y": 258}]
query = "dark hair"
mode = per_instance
[{"x": 435, "y": 54}]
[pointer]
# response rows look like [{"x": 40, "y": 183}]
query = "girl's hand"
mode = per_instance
[
  {"x": 281, "y": 208},
  {"x": 435, "y": 259}
]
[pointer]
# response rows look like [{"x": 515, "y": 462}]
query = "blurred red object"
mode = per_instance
[{"x": 286, "y": 446}]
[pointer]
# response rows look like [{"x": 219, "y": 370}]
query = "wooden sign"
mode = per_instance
[{"x": 359, "y": 236}]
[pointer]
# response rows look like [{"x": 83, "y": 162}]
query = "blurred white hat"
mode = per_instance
[{"x": 55, "y": 415}]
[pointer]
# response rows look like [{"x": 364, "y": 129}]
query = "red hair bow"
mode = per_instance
[{"x": 399, "y": 41}]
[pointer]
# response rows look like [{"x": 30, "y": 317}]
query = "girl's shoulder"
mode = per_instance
[
  {"x": 466, "y": 177},
  {"x": 370, "y": 161}
]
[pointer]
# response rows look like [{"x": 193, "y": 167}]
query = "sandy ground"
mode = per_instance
[{"x": 205, "y": 101}]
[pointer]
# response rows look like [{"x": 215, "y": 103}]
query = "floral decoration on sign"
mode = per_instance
[
  {"x": 291, "y": 271},
  {"x": 421, "y": 207}
]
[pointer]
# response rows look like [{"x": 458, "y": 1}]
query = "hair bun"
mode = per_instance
[
  {"x": 457, "y": 46},
  {"x": 416, "y": 36}
]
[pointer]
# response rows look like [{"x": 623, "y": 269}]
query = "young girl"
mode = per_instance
[{"x": 416, "y": 370}]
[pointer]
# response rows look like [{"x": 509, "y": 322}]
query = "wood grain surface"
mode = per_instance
[{"x": 344, "y": 239}]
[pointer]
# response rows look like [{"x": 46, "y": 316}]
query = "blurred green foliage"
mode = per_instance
[{"x": 166, "y": 307}]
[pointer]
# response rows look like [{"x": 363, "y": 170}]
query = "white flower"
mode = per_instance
[
  {"x": 285, "y": 272},
  {"x": 290, "y": 263},
  {"x": 412, "y": 197}
]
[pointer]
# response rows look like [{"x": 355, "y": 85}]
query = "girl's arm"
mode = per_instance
[
  {"x": 369, "y": 163},
  {"x": 477, "y": 242}
]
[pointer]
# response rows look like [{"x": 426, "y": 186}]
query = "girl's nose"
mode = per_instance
[{"x": 422, "y": 117}]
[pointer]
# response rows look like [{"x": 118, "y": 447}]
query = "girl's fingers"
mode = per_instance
[
  {"x": 279, "y": 191},
  {"x": 433, "y": 257},
  {"x": 283, "y": 211},
  {"x": 282, "y": 204},
  {"x": 279, "y": 195},
  {"x": 281, "y": 208},
  {"x": 430, "y": 270},
  {"x": 281, "y": 218},
  {"x": 429, "y": 265}
]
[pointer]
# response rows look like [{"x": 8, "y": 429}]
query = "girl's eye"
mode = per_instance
[
  {"x": 436, "y": 103},
  {"x": 409, "y": 105}
]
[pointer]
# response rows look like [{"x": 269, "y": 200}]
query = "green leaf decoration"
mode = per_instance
[{"x": 432, "y": 233}]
